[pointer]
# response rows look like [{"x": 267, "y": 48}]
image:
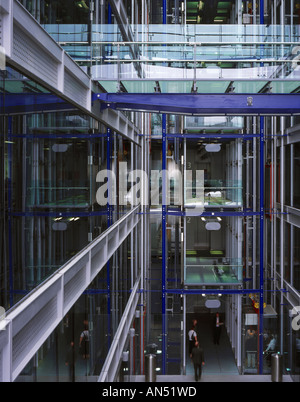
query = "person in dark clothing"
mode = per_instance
[
  {"x": 198, "y": 360},
  {"x": 70, "y": 361},
  {"x": 192, "y": 335},
  {"x": 217, "y": 328},
  {"x": 209, "y": 11}
]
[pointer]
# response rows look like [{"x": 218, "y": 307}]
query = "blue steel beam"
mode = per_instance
[
  {"x": 217, "y": 291},
  {"x": 32, "y": 102},
  {"x": 204, "y": 104},
  {"x": 213, "y": 136}
]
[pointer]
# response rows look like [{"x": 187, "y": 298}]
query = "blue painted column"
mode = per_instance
[
  {"x": 164, "y": 238},
  {"x": 261, "y": 263},
  {"x": 262, "y": 216},
  {"x": 262, "y": 12},
  {"x": 109, "y": 19},
  {"x": 164, "y": 11},
  {"x": 164, "y": 225}
]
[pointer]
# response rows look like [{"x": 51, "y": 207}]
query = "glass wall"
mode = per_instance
[
  {"x": 77, "y": 349},
  {"x": 52, "y": 11},
  {"x": 296, "y": 258},
  {"x": 296, "y": 174},
  {"x": 51, "y": 161}
]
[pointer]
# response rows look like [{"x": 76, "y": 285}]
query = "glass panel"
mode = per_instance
[
  {"x": 296, "y": 259},
  {"x": 202, "y": 271},
  {"x": 212, "y": 87},
  {"x": 204, "y": 86},
  {"x": 176, "y": 86},
  {"x": 208, "y": 258},
  {"x": 50, "y": 163},
  {"x": 211, "y": 48},
  {"x": 296, "y": 175},
  {"x": 109, "y": 86},
  {"x": 217, "y": 122},
  {"x": 248, "y": 86},
  {"x": 284, "y": 87},
  {"x": 217, "y": 193},
  {"x": 139, "y": 86}
]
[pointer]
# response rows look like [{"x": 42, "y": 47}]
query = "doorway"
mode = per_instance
[{"x": 219, "y": 358}]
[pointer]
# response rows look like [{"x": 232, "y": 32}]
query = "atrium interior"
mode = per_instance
[{"x": 149, "y": 153}]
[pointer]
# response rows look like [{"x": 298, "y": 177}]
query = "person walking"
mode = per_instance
[
  {"x": 192, "y": 335},
  {"x": 198, "y": 360},
  {"x": 84, "y": 343},
  {"x": 70, "y": 361},
  {"x": 217, "y": 328}
]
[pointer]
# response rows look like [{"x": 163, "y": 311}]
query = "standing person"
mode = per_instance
[
  {"x": 198, "y": 360},
  {"x": 251, "y": 347},
  {"x": 84, "y": 343},
  {"x": 217, "y": 328},
  {"x": 70, "y": 361},
  {"x": 192, "y": 335}
]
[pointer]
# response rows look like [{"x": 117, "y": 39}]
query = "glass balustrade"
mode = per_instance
[
  {"x": 221, "y": 193},
  {"x": 214, "y": 270},
  {"x": 190, "y": 52}
]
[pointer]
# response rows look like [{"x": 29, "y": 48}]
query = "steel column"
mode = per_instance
[
  {"x": 262, "y": 12},
  {"x": 109, "y": 223},
  {"x": 164, "y": 11},
  {"x": 164, "y": 237},
  {"x": 261, "y": 302},
  {"x": 10, "y": 238}
]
